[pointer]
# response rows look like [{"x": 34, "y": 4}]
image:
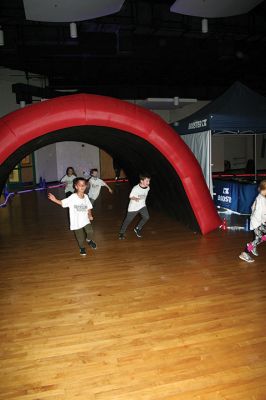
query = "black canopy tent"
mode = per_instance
[{"x": 239, "y": 110}]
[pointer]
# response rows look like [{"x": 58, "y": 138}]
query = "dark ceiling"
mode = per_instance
[{"x": 142, "y": 51}]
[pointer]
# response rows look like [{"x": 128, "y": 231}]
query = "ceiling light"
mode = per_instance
[
  {"x": 2, "y": 41},
  {"x": 73, "y": 30},
  {"x": 204, "y": 25}
]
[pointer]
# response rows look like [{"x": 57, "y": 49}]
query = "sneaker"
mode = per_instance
[
  {"x": 246, "y": 257},
  {"x": 121, "y": 236},
  {"x": 137, "y": 232},
  {"x": 82, "y": 252},
  {"x": 252, "y": 249},
  {"x": 92, "y": 244}
]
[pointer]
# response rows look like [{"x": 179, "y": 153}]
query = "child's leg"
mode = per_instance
[
  {"x": 80, "y": 236},
  {"x": 129, "y": 218},
  {"x": 144, "y": 218},
  {"x": 259, "y": 238},
  {"x": 88, "y": 231}
]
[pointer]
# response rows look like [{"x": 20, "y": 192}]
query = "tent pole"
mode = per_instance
[
  {"x": 210, "y": 163},
  {"x": 255, "y": 157}
]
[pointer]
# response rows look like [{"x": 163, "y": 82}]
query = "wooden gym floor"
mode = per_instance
[{"x": 171, "y": 316}]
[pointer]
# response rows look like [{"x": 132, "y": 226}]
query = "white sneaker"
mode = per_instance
[{"x": 246, "y": 257}]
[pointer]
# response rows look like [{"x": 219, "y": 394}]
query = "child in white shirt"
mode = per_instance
[
  {"x": 137, "y": 205},
  {"x": 80, "y": 214},
  {"x": 68, "y": 181},
  {"x": 257, "y": 224},
  {"x": 96, "y": 184}
]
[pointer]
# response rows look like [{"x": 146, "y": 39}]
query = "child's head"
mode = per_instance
[
  {"x": 262, "y": 187},
  {"x": 70, "y": 171},
  {"x": 94, "y": 172},
  {"x": 80, "y": 185},
  {"x": 144, "y": 180}
]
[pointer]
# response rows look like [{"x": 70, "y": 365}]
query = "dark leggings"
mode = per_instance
[
  {"x": 83, "y": 234},
  {"x": 131, "y": 215}
]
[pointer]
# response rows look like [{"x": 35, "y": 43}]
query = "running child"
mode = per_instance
[
  {"x": 137, "y": 205},
  {"x": 257, "y": 224},
  {"x": 68, "y": 180},
  {"x": 96, "y": 184},
  {"x": 80, "y": 214}
]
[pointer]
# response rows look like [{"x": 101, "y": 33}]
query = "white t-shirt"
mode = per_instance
[
  {"x": 78, "y": 210},
  {"x": 258, "y": 215},
  {"x": 95, "y": 187},
  {"x": 69, "y": 183},
  {"x": 142, "y": 194}
]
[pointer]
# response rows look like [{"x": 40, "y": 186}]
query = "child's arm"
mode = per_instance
[
  {"x": 134, "y": 198},
  {"x": 90, "y": 214},
  {"x": 132, "y": 195},
  {"x": 108, "y": 187},
  {"x": 110, "y": 190},
  {"x": 54, "y": 199}
]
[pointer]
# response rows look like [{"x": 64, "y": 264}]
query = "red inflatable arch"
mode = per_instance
[{"x": 21, "y": 127}]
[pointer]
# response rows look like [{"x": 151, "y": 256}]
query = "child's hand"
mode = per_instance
[
  {"x": 51, "y": 197},
  {"x": 91, "y": 218}
]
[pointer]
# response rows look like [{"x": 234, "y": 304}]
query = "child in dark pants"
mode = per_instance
[
  {"x": 137, "y": 205},
  {"x": 257, "y": 224},
  {"x": 80, "y": 214}
]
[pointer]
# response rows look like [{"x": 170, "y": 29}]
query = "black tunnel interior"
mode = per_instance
[{"x": 135, "y": 154}]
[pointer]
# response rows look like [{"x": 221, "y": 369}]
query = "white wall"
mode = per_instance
[
  {"x": 46, "y": 163},
  {"x": 52, "y": 161},
  {"x": 81, "y": 156}
]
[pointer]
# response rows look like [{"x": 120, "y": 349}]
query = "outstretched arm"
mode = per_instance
[
  {"x": 54, "y": 199},
  {"x": 108, "y": 187}
]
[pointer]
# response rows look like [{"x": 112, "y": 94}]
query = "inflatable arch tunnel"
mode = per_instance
[{"x": 140, "y": 139}]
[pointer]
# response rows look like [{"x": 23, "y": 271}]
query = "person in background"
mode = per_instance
[
  {"x": 68, "y": 181},
  {"x": 80, "y": 214},
  {"x": 117, "y": 168},
  {"x": 137, "y": 205},
  {"x": 257, "y": 224},
  {"x": 95, "y": 185}
]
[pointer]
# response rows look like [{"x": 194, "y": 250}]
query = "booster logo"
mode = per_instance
[
  {"x": 197, "y": 124},
  {"x": 225, "y": 198}
]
